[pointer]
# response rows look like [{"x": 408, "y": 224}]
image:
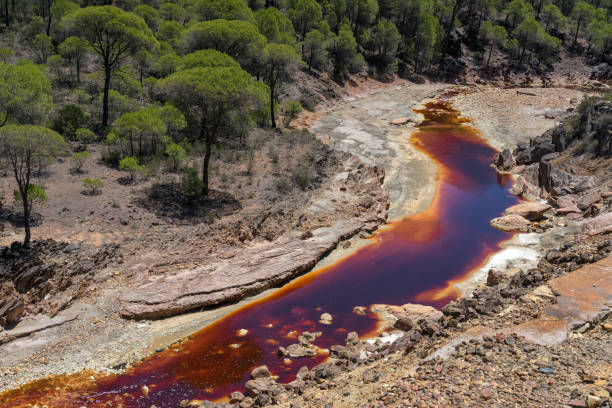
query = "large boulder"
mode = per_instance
[
  {"x": 512, "y": 222},
  {"x": 504, "y": 161},
  {"x": 590, "y": 198},
  {"x": 597, "y": 225},
  {"x": 560, "y": 138},
  {"x": 532, "y": 211}
]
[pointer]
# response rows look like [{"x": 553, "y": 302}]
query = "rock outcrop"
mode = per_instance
[{"x": 253, "y": 270}]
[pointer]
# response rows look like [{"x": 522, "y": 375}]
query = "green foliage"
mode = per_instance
[
  {"x": 141, "y": 132},
  {"x": 170, "y": 31},
  {"x": 74, "y": 50},
  {"x": 191, "y": 185},
  {"x": 516, "y": 11},
  {"x": 5, "y": 54},
  {"x": 176, "y": 156},
  {"x": 290, "y": 109},
  {"x": 94, "y": 185},
  {"x": 207, "y": 58},
  {"x": 69, "y": 119},
  {"x": 582, "y": 15},
  {"x": 55, "y": 65},
  {"x": 173, "y": 12},
  {"x": 21, "y": 147},
  {"x": 130, "y": 164},
  {"x": 552, "y": 18},
  {"x": 79, "y": 159},
  {"x": 344, "y": 54},
  {"x": 279, "y": 61},
  {"x": 113, "y": 34},
  {"x": 225, "y": 9},
  {"x": 384, "y": 42},
  {"x": 44, "y": 47},
  {"x": 239, "y": 39},
  {"x": 36, "y": 195},
  {"x": 315, "y": 50},
  {"x": 275, "y": 26},
  {"x": 492, "y": 36},
  {"x": 149, "y": 15},
  {"x": 208, "y": 96},
  {"x": 304, "y": 14},
  {"x": 85, "y": 136},
  {"x": 166, "y": 65},
  {"x": 25, "y": 94}
]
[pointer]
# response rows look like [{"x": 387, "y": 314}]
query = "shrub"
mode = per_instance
[
  {"x": 302, "y": 175},
  {"x": 176, "y": 156},
  {"x": 79, "y": 159},
  {"x": 130, "y": 164},
  {"x": 85, "y": 136},
  {"x": 283, "y": 185},
  {"x": 290, "y": 109},
  {"x": 69, "y": 119},
  {"x": 94, "y": 185},
  {"x": 36, "y": 194},
  {"x": 191, "y": 184}
]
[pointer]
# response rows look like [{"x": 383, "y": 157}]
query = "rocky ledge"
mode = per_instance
[{"x": 246, "y": 273}]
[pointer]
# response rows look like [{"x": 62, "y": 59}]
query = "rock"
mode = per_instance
[
  {"x": 560, "y": 138},
  {"x": 588, "y": 199},
  {"x": 576, "y": 403},
  {"x": 597, "y": 225},
  {"x": 551, "y": 178},
  {"x": 400, "y": 121},
  {"x": 593, "y": 401},
  {"x": 326, "y": 318},
  {"x": 307, "y": 338},
  {"x": 568, "y": 200},
  {"x": 414, "y": 313},
  {"x": 247, "y": 402},
  {"x": 359, "y": 310},
  {"x": 297, "y": 350},
  {"x": 352, "y": 339},
  {"x": 260, "y": 372},
  {"x": 123, "y": 221},
  {"x": 251, "y": 271},
  {"x": 236, "y": 397},
  {"x": 404, "y": 324},
  {"x": 370, "y": 376},
  {"x": 532, "y": 211},
  {"x": 522, "y": 156},
  {"x": 511, "y": 222},
  {"x": 607, "y": 327},
  {"x": 10, "y": 311},
  {"x": 553, "y": 255},
  {"x": 568, "y": 210},
  {"x": 539, "y": 150},
  {"x": 494, "y": 277},
  {"x": 503, "y": 160}
]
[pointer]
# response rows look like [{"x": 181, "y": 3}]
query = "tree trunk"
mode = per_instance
[
  {"x": 272, "y": 86},
  {"x": 26, "y": 221},
  {"x": 49, "y": 18},
  {"x": 78, "y": 67},
  {"x": 577, "y": 29},
  {"x": 522, "y": 55},
  {"x": 107, "y": 79},
  {"x": 7, "y": 19},
  {"x": 490, "y": 52},
  {"x": 208, "y": 137}
]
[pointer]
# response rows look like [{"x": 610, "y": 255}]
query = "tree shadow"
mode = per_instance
[
  {"x": 15, "y": 218},
  {"x": 166, "y": 200}
]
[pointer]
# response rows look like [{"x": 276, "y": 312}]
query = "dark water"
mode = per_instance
[{"x": 413, "y": 260}]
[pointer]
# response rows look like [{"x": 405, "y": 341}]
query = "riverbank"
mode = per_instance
[{"x": 134, "y": 337}]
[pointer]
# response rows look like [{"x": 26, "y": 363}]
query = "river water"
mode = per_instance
[{"x": 414, "y": 260}]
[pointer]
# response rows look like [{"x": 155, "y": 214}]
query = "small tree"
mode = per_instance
[
  {"x": 113, "y": 34},
  {"x": 552, "y": 18},
  {"x": 79, "y": 159},
  {"x": 176, "y": 156},
  {"x": 493, "y": 36},
  {"x": 582, "y": 13},
  {"x": 130, "y": 164},
  {"x": 208, "y": 96},
  {"x": 280, "y": 60},
  {"x": 291, "y": 110},
  {"x": 20, "y": 148},
  {"x": 44, "y": 46},
  {"x": 93, "y": 185},
  {"x": 314, "y": 50},
  {"x": 25, "y": 94},
  {"x": 85, "y": 136},
  {"x": 74, "y": 50}
]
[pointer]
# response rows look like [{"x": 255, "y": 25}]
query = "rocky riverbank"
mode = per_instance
[{"x": 539, "y": 336}]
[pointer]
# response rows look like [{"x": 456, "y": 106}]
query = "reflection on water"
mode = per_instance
[{"x": 415, "y": 259}]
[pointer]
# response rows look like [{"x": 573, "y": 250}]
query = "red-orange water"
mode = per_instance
[{"x": 413, "y": 260}]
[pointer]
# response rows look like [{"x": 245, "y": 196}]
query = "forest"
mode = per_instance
[{"x": 168, "y": 84}]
